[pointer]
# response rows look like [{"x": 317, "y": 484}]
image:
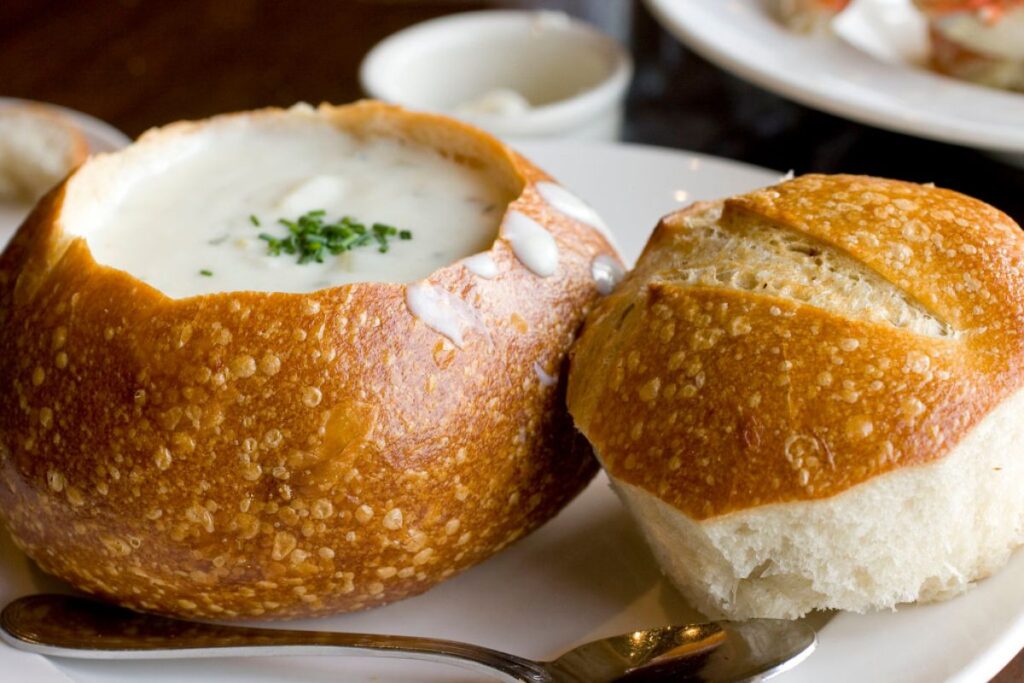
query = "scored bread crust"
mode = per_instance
[
  {"x": 717, "y": 397},
  {"x": 251, "y": 454}
]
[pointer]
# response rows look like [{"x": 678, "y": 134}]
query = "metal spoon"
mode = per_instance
[{"x": 65, "y": 626}]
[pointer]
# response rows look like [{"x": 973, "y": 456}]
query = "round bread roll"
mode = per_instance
[
  {"x": 260, "y": 454},
  {"x": 38, "y": 146},
  {"x": 809, "y": 396}
]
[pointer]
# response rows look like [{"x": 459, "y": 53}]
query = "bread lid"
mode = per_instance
[{"x": 793, "y": 342}]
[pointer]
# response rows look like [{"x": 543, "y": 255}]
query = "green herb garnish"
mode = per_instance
[
  {"x": 255, "y": 221},
  {"x": 311, "y": 238},
  {"x": 206, "y": 273}
]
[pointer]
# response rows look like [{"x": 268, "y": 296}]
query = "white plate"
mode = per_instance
[
  {"x": 874, "y": 81},
  {"x": 101, "y": 137},
  {"x": 588, "y": 574}
]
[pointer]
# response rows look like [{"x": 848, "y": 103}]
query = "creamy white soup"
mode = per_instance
[{"x": 207, "y": 218}]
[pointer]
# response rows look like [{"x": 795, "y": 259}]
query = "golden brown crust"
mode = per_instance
[
  {"x": 265, "y": 455},
  {"x": 717, "y": 398}
]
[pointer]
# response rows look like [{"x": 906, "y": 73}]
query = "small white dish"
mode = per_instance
[
  {"x": 869, "y": 73},
  {"x": 587, "y": 573},
  {"x": 517, "y": 74}
]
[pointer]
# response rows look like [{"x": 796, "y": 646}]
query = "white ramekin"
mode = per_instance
[{"x": 574, "y": 76}]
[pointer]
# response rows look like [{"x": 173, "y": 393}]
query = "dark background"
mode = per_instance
[{"x": 139, "y": 64}]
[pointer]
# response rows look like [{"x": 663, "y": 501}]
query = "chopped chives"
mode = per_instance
[{"x": 311, "y": 237}]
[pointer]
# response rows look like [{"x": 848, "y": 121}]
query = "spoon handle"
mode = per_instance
[{"x": 63, "y": 626}]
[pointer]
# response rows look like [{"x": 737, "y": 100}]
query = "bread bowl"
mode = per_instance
[
  {"x": 808, "y": 396},
  {"x": 265, "y": 454}
]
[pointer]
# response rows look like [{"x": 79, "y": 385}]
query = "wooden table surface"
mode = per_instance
[{"x": 139, "y": 64}]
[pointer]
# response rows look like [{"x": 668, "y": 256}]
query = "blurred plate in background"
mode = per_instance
[{"x": 870, "y": 77}]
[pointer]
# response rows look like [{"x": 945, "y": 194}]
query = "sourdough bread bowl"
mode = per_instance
[
  {"x": 809, "y": 396},
  {"x": 272, "y": 454}
]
